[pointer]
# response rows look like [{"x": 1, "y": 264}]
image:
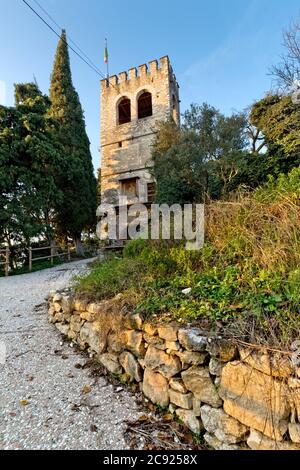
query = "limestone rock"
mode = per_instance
[
  {"x": 183, "y": 400},
  {"x": 150, "y": 329},
  {"x": 294, "y": 397},
  {"x": 111, "y": 363},
  {"x": 131, "y": 366},
  {"x": 213, "y": 442},
  {"x": 215, "y": 367},
  {"x": 198, "y": 381},
  {"x": 158, "y": 360},
  {"x": 257, "y": 441},
  {"x": 116, "y": 342},
  {"x": 156, "y": 388},
  {"x": 51, "y": 311},
  {"x": 136, "y": 321},
  {"x": 192, "y": 339},
  {"x": 275, "y": 364},
  {"x": 135, "y": 343},
  {"x": 172, "y": 346},
  {"x": 67, "y": 304},
  {"x": 172, "y": 408},
  {"x": 91, "y": 337},
  {"x": 63, "y": 328},
  {"x": 57, "y": 297},
  {"x": 225, "y": 428},
  {"x": 88, "y": 316},
  {"x": 72, "y": 335},
  {"x": 294, "y": 432},
  {"x": 177, "y": 385},
  {"x": 255, "y": 399},
  {"x": 80, "y": 305},
  {"x": 94, "y": 308},
  {"x": 187, "y": 291},
  {"x": 196, "y": 407},
  {"x": 222, "y": 349},
  {"x": 190, "y": 420},
  {"x": 59, "y": 318},
  {"x": 168, "y": 332},
  {"x": 57, "y": 306},
  {"x": 76, "y": 323},
  {"x": 156, "y": 341},
  {"x": 190, "y": 358}
]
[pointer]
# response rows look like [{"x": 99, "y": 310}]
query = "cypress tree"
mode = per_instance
[{"x": 77, "y": 180}]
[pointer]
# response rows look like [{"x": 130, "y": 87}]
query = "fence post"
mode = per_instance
[
  {"x": 30, "y": 259},
  {"x": 52, "y": 252},
  {"x": 6, "y": 261},
  {"x": 69, "y": 253}
]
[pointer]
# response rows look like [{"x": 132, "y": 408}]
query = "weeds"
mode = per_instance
[{"x": 245, "y": 280}]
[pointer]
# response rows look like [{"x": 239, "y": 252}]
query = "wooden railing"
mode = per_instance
[
  {"x": 5, "y": 254},
  {"x": 50, "y": 257}
]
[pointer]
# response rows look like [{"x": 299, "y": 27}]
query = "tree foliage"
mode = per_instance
[
  {"x": 202, "y": 159},
  {"x": 30, "y": 158},
  {"x": 78, "y": 209}
]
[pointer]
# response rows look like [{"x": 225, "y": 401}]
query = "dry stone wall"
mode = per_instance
[{"x": 236, "y": 396}]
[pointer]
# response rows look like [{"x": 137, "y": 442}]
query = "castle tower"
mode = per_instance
[{"x": 131, "y": 105}]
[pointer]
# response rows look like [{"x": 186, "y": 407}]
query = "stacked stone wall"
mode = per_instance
[{"x": 236, "y": 395}]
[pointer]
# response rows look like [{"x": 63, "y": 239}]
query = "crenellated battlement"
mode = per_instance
[
  {"x": 132, "y": 103},
  {"x": 136, "y": 75}
]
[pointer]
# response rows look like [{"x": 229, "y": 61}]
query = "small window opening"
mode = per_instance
[
  {"x": 129, "y": 188},
  {"x": 124, "y": 111},
  {"x": 145, "y": 105},
  {"x": 151, "y": 192}
]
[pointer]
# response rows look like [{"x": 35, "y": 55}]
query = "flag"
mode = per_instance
[{"x": 106, "y": 55}]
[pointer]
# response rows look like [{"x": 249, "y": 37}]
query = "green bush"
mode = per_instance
[{"x": 245, "y": 280}]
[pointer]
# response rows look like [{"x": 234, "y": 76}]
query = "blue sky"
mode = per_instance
[{"x": 221, "y": 50}]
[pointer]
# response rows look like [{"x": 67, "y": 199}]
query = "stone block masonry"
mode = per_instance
[
  {"x": 237, "y": 397},
  {"x": 131, "y": 105}
]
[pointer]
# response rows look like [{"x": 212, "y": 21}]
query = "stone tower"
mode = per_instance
[{"x": 131, "y": 105}]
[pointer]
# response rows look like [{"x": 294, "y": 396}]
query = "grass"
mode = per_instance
[{"x": 245, "y": 281}]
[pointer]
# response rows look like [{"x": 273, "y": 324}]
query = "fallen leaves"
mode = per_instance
[
  {"x": 159, "y": 432},
  {"x": 86, "y": 389},
  {"x": 24, "y": 402}
]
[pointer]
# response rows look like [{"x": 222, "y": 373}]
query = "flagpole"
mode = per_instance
[{"x": 107, "y": 61}]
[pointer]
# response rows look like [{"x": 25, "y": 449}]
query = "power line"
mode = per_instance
[
  {"x": 58, "y": 35},
  {"x": 68, "y": 37},
  {"x": 91, "y": 65}
]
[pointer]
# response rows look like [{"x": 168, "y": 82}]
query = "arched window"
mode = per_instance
[
  {"x": 124, "y": 111},
  {"x": 145, "y": 105}
]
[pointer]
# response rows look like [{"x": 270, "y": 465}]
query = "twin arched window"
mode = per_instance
[
  {"x": 145, "y": 105},
  {"x": 144, "y": 108},
  {"x": 124, "y": 111}
]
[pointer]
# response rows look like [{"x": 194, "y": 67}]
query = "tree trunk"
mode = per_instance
[
  {"x": 53, "y": 245},
  {"x": 78, "y": 245}
]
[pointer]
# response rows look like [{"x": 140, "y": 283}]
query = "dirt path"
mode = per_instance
[{"x": 41, "y": 401}]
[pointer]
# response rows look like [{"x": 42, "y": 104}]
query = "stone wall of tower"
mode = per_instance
[{"x": 126, "y": 148}]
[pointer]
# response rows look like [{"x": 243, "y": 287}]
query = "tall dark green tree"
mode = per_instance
[
  {"x": 78, "y": 210},
  {"x": 30, "y": 159}
]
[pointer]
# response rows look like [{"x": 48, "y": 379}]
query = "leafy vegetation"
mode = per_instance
[
  {"x": 245, "y": 280},
  {"x": 47, "y": 185},
  {"x": 77, "y": 210}
]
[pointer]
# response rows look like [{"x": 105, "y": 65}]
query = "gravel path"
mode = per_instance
[{"x": 42, "y": 401}]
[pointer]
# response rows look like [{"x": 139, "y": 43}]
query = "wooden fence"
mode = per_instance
[
  {"x": 49, "y": 257},
  {"x": 5, "y": 255}
]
